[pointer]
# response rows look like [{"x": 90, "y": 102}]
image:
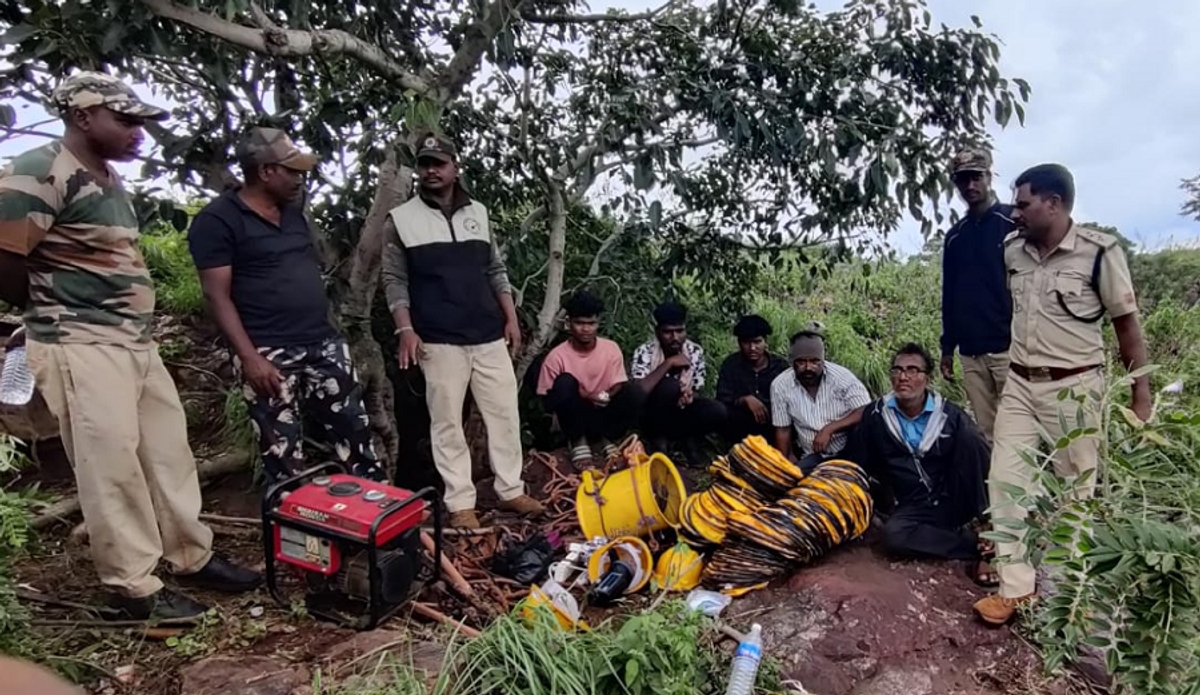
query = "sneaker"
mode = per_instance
[
  {"x": 581, "y": 455},
  {"x": 997, "y": 610},
  {"x": 466, "y": 518},
  {"x": 523, "y": 505},
  {"x": 221, "y": 575},
  {"x": 163, "y": 605},
  {"x": 610, "y": 450}
]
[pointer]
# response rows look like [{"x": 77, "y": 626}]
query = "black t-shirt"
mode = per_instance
[{"x": 277, "y": 286}]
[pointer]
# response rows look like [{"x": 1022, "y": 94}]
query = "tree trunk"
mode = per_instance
[
  {"x": 393, "y": 188},
  {"x": 555, "y": 268}
]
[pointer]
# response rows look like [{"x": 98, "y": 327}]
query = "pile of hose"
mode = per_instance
[
  {"x": 753, "y": 475},
  {"x": 763, "y": 516},
  {"x": 824, "y": 510}
]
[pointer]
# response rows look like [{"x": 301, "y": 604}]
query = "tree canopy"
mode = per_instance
[{"x": 708, "y": 128}]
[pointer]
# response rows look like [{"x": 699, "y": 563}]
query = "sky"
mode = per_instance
[{"x": 1116, "y": 98}]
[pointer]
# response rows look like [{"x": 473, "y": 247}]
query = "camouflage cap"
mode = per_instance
[
  {"x": 436, "y": 147},
  {"x": 972, "y": 159},
  {"x": 84, "y": 90},
  {"x": 273, "y": 146}
]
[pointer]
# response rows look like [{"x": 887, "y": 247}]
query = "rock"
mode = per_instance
[
  {"x": 893, "y": 681},
  {"x": 244, "y": 675},
  {"x": 421, "y": 656}
]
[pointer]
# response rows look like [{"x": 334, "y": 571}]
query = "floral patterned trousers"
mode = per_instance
[{"x": 319, "y": 382}]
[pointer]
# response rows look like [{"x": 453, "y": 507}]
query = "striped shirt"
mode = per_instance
[{"x": 792, "y": 406}]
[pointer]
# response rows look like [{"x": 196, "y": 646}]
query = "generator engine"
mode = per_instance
[{"x": 354, "y": 543}]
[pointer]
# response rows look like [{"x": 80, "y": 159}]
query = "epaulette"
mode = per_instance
[
  {"x": 1011, "y": 237},
  {"x": 1100, "y": 239}
]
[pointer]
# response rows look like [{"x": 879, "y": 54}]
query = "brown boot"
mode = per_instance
[
  {"x": 997, "y": 610},
  {"x": 467, "y": 518},
  {"x": 523, "y": 505}
]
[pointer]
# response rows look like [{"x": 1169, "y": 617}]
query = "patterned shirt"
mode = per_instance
[
  {"x": 88, "y": 282},
  {"x": 649, "y": 355},
  {"x": 840, "y": 393}
]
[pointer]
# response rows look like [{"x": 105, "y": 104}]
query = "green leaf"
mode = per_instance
[
  {"x": 655, "y": 215},
  {"x": 631, "y": 672},
  {"x": 1000, "y": 537},
  {"x": 643, "y": 172},
  {"x": 18, "y": 33},
  {"x": 8, "y": 116}
]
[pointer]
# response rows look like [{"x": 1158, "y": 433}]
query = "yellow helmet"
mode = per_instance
[{"x": 679, "y": 568}]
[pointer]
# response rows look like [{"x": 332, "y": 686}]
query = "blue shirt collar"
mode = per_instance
[{"x": 891, "y": 401}]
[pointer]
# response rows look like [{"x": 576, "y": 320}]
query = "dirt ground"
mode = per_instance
[{"x": 851, "y": 624}]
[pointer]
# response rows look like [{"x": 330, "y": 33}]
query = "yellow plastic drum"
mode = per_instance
[
  {"x": 632, "y": 550},
  {"x": 636, "y": 501}
]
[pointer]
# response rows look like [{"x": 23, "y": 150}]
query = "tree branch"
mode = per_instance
[
  {"x": 289, "y": 42},
  {"x": 610, "y": 17},
  {"x": 462, "y": 66},
  {"x": 555, "y": 272}
]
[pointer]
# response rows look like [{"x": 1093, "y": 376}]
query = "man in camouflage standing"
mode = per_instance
[
  {"x": 1064, "y": 278},
  {"x": 70, "y": 256},
  {"x": 263, "y": 286}
]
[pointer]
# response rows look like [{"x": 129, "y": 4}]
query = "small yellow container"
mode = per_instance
[{"x": 630, "y": 549}]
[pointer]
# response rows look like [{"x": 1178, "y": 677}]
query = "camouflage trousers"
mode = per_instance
[{"x": 318, "y": 382}]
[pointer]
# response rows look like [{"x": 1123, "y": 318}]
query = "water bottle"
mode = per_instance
[
  {"x": 16, "y": 381},
  {"x": 745, "y": 663}
]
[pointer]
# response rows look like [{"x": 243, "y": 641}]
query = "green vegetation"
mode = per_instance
[
  {"x": 175, "y": 280},
  {"x": 15, "y": 512},
  {"x": 666, "y": 651}
]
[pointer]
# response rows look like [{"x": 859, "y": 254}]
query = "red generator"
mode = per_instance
[{"x": 354, "y": 542}]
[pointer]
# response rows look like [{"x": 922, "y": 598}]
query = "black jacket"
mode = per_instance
[
  {"x": 952, "y": 469},
  {"x": 976, "y": 304}
]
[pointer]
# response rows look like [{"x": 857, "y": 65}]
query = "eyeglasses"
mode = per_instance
[{"x": 910, "y": 372}]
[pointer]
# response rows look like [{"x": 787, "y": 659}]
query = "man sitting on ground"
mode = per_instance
[
  {"x": 933, "y": 459},
  {"x": 817, "y": 400},
  {"x": 670, "y": 370},
  {"x": 583, "y": 383},
  {"x": 744, "y": 384}
]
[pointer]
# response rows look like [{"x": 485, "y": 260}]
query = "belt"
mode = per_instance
[{"x": 1048, "y": 373}]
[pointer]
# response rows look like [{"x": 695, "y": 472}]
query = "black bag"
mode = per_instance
[{"x": 526, "y": 562}]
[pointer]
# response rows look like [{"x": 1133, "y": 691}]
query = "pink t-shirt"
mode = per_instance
[{"x": 598, "y": 370}]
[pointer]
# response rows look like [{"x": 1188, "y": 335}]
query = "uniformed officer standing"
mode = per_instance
[{"x": 1063, "y": 279}]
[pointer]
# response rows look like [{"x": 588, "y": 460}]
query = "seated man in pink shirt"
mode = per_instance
[{"x": 583, "y": 383}]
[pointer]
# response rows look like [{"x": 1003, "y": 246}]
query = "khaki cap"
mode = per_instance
[
  {"x": 85, "y": 90},
  {"x": 273, "y": 146},
  {"x": 971, "y": 160}
]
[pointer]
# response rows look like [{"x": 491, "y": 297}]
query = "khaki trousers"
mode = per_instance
[
  {"x": 983, "y": 380},
  {"x": 1024, "y": 408},
  {"x": 488, "y": 371},
  {"x": 125, "y": 433}
]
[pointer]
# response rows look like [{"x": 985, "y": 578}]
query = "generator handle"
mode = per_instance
[
  {"x": 271, "y": 498},
  {"x": 373, "y": 549}
]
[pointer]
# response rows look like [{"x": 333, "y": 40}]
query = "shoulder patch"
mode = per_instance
[{"x": 1099, "y": 238}]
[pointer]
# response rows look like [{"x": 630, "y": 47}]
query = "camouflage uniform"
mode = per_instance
[
  {"x": 88, "y": 319},
  {"x": 293, "y": 332}
]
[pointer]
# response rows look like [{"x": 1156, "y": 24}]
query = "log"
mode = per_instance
[
  {"x": 433, "y": 614},
  {"x": 63, "y": 510},
  {"x": 448, "y": 569}
]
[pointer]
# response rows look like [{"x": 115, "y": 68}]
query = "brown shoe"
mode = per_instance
[
  {"x": 997, "y": 610},
  {"x": 467, "y": 518},
  {"x": 523, "y": 505}
]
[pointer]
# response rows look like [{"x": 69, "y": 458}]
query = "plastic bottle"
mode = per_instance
[
  {"x": 16, "y": 381},
  {"x": 745, "y": 663}
]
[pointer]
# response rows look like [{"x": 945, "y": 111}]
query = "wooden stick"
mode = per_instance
[
  {"x": 171, "y": 622},
  {"x": 426, "y": 611},
  {"x": 452, "y": 574},
  {"x": 485, "y": 531},
  {"x": 38, "y": 597},
  {"x": 65, "y": 509},
  {"x": 235, "y": 520}
]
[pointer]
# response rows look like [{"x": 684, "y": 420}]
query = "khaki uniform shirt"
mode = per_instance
[
  {"x": 1043, "y": 334},
  {"x": 88, "y": 282}
]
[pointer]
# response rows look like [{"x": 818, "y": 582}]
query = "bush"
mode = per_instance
[
  {"x": 15, "y": 513},
  {"x": 1125, "y": 564},
  {"x": 176, "y": 281}
]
